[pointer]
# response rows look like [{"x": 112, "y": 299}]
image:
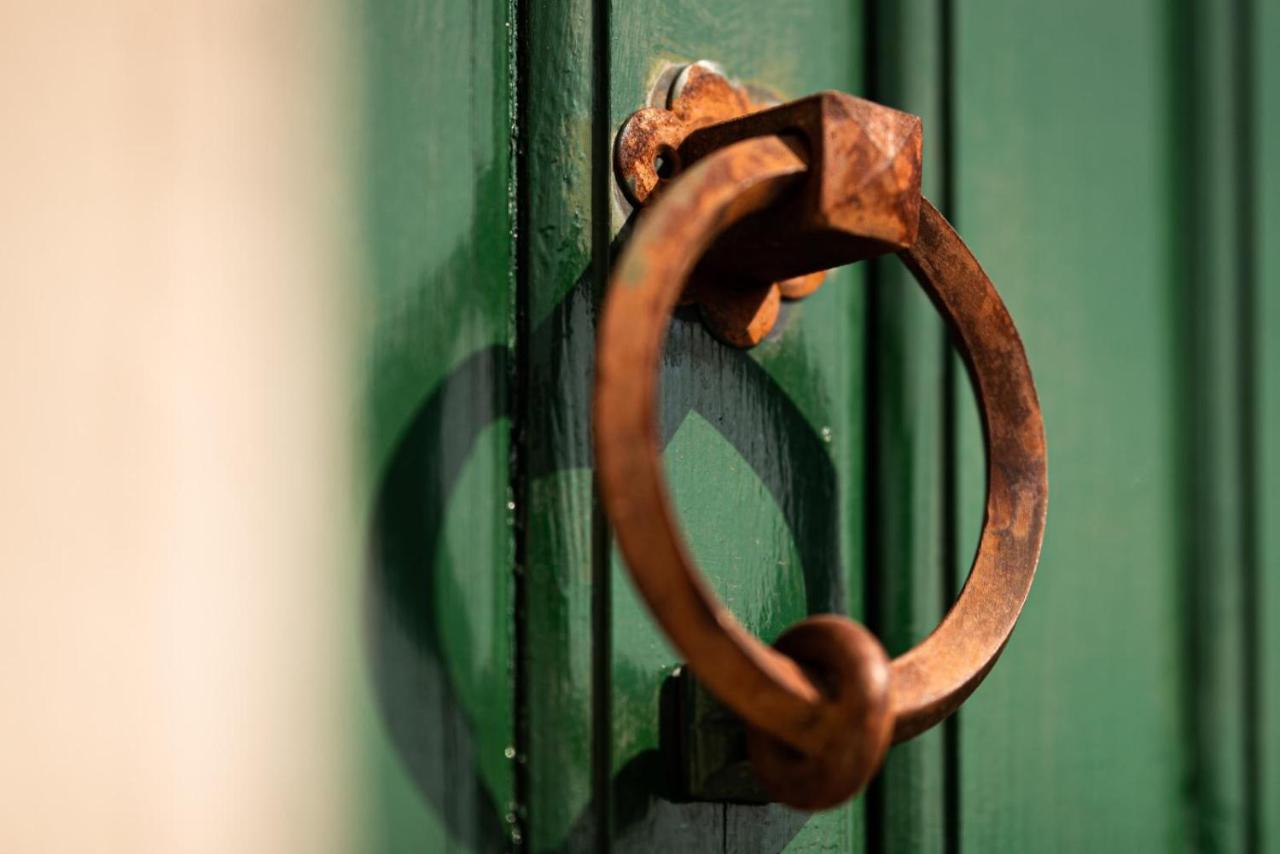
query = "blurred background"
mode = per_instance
[
  {"x": 299, "y": 545},
  {"x": 180, "y": 337}
]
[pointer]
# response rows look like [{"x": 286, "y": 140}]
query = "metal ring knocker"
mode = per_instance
[{"x": 782, "y": 192}]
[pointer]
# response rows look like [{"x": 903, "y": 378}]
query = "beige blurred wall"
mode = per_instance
[{"x": 177, "y": 341}]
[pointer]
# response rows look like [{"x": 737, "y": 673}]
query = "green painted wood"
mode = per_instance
[
  {"x": 761, "y": 430},
  {"x": 1215, "y": 266},
  {"x": 764, "y": 450},
  {"x": 1069, "y": 169},
  {"x": 909, "y": 358},
  {"x": 564, "y": 625},
  {"x": 1266, "y": 35},
  {"x": 563, "y": 156},
  {"x": 436, "y": 168},
  {"x": 1098, "y": 174}
]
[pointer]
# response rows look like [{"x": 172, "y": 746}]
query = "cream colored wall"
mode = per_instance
[{"x": 177, "y": 331}]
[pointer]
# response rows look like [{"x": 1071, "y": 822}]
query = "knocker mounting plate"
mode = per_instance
[{"x": 647, "y": 156}]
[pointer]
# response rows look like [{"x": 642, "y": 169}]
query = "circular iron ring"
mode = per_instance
[{"x": 822, "y": 705}]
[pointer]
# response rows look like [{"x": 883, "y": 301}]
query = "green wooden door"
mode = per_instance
[
  {"x": 763, "y": 449},
  {"x": 1106, "y": 163}
]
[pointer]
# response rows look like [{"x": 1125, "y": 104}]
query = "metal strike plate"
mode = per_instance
[{"x": 708, "y": 747}]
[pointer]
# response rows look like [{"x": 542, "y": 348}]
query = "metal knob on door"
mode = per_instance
[{"x": 733, "y": 193}]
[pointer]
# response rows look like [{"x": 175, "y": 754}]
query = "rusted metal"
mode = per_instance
[
  {"x": 808, "y": 185},
  {"x": 739, "y": 306}
]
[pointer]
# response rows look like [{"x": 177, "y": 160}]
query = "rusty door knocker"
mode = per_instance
[{"x": 777, "y": 195}]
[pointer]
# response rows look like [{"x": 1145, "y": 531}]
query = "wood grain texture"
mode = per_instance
[
  {"x": 764, "y": 448},
  {"x": 1065, "y": 159},
  {"x": 561, "y": 156},
  {"x": 908, "y": 356},
  {"x": 436, "y": 175}
]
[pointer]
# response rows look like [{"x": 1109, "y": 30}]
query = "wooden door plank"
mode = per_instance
[
  {"x": 909, "y": 584},
  {"x": 436, "y": 174},
  {"x": 564, "y": 157},
  {"x": 764, "y": 448},
  {"x": 1067, "y": 177}
]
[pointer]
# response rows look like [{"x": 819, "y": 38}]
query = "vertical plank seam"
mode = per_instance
[
  {"x": 951, "y": 564},
  {"x": 601, "y": 588},
  {"x": 887, "y": 38},
  {"x": 1246, "y": 248},
  {"x": 1184, "y": 359},
  {"x": 1217, "y": 641},
  {"x": 875, "y": 609},
  {"x": 517, "y": 70},
  {"x": 1192, "y": 301}
]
